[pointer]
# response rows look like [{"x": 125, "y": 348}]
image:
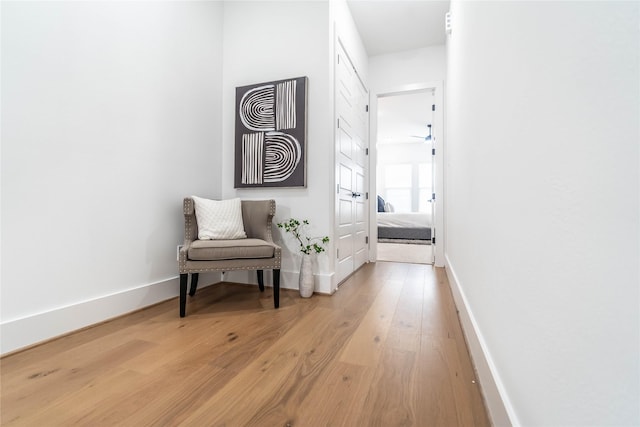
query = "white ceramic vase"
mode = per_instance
[{"x": 306, "y": 284}]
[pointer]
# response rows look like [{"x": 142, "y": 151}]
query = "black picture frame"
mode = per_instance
[{"x": 271, "y": 134}]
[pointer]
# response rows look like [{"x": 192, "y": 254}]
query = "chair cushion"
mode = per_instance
[{"x": 213, "y": 250}]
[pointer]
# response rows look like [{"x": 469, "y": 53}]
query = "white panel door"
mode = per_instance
[{"x": 352, "y": 222}]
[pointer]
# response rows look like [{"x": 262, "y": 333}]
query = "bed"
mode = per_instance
[{"x": 404, "y": 226}]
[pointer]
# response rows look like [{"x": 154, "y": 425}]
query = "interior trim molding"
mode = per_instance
[
  {"x": 288, "y": 279},
  {"x": 496, "y": 400},
  {"x": 37, "y": 328},
  {"x": 438, "y": 228},
  {"x": 21, "y": 333}
]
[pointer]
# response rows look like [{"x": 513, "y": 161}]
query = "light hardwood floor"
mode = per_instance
[
  {"x": 385, "y": 350},
  {"x": 399, "y": 252}
]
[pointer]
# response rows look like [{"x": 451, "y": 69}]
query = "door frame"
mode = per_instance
[{"x": 438, "y": 143}]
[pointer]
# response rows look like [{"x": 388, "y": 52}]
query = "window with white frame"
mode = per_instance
[
  {"x": 398, "y": 186},
  {"x": 407, "y": 186}
]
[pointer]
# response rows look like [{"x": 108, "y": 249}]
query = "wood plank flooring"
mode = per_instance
[
  {"x": 386, "y": 350},
  {"x": 401, "y": 252}
]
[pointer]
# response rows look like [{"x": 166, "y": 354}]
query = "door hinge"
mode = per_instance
[
  {"x": 366, "y": 240},
  {"x": 433, "y": 196},
  {"x": 433, "y": 107},
  {"x": 433, "y": 240},
  {"x": 338, "y": 253},
  {"x": 366, "y": 195},
  {"x": 338, "y": 188},
  {"x": 366, "y": 108},
  {"x": 433, "y": 151},
  {"x": 366, "y": 151},
  {"x": 338, "y": 123}
]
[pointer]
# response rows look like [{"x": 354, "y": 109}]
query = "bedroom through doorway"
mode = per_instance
[{"x": 405, "y": 177}]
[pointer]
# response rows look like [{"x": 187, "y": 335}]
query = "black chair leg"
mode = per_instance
[
  {"x": 183, "y": 294},
  {"x": 276, "y": 288},
  {"x": 194, "y": 284},
  {"x": 261, "y": 280}
]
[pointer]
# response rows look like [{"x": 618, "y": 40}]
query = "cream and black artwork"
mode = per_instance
[{"x": 271, "y": 134}]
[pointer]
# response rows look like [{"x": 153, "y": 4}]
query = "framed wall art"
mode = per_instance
[{"x": 271, "y": 133}]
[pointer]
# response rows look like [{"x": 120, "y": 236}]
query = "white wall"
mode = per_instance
[
  {"x": 293, "y": 42},
  {"x": 398, "y": 70},
  {"x": 297, "y": 40},
  {"x": 110, "y": 106},
  {"x": 110, "y": 116},
  {"x": 542, "y": 193}
]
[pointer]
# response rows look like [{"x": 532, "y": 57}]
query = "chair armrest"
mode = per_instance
[
  {"x": 190, "y": 222},
  {"x": 190, "y": 232}
]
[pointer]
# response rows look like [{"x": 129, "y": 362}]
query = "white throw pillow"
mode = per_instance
[{"x": 219, "y": 219}]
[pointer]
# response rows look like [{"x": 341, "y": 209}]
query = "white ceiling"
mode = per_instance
[
  {"x": 388, "y": 26},
  {"x": 404, "y": 118}
]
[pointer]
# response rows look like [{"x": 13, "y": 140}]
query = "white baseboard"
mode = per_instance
[
  {"x": 26, "y": 331},
  {"x": 500, "y": 410},
  {"x": 33, "y": 329},
  {"x": 288, "y": 279},
  {"x": 324, "y": 284}
]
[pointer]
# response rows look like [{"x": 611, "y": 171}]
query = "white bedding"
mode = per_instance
[{"x": 404, "y": 219}]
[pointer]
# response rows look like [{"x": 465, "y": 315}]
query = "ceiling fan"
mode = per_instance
[{"x": 425, "y": 138}]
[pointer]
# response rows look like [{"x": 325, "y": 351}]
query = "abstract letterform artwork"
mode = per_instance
[{"x": 271, "y": 135}]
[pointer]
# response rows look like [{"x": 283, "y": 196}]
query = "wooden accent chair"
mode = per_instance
[{"x": 256, "y": 252}]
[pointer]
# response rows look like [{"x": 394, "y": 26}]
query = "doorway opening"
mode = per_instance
[{"x": 405, "y": 176}]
